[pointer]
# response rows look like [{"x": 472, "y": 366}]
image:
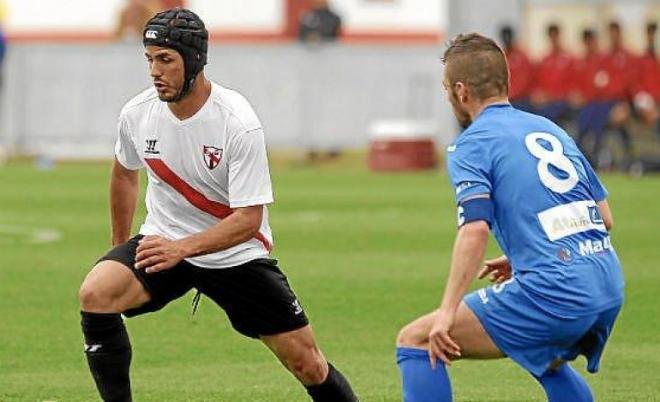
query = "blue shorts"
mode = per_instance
[
  {"x": 532, "y": 337},
  {"x": 554, "y": 110},
  {"x": 595, "y": 116}
]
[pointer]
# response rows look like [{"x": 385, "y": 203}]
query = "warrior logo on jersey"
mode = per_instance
[
  {"x": 212, "y": 156},
  {"x": 151, "y": 147}
]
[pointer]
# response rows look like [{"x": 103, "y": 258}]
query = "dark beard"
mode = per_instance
[
  {"x": 463, "y": 119},
  {"x": 167, "y": 98}
]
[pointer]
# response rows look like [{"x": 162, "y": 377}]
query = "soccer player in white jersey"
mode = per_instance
[{"x": 207, "y": 224}]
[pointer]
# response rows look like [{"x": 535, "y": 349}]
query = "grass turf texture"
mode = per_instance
[{"x": 366, "y": 254}]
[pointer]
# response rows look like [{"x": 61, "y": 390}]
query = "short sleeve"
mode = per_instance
[
  {"x": 468, "y": 165},
  {"x": 249, "y": 175},
  {"x": 598, "y": 190},
  {"x": 125, "y": 147}
]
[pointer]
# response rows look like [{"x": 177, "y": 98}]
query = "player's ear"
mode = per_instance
[{"x": 462, "y": 91}]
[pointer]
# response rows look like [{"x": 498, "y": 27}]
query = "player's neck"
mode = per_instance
[
  {"x": 479, "y": 107},
  {"x": 194, "y": 101}
]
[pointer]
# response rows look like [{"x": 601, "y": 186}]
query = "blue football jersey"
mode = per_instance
[{"x": 545, "y": 215}]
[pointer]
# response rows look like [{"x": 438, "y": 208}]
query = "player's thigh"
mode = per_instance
[
  {"x": 471, "y": 336},
  {"x": 467, "y": 331},
  {"x": 111, "y": 287},
  {"x": 256, "y": 297}
]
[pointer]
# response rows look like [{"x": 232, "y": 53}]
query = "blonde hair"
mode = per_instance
[{"x": 479, "y": 63}]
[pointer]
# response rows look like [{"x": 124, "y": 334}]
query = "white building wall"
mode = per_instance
[
  {"x": 402, "y": 15},
  {"x": 62, "y": 15},
  {"x": 232, "y": 15}
]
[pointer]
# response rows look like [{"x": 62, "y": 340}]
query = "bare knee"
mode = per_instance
[
  {"x": 308, "y": 366},
  {"x": 412, "y": 336},
  {"x": 93, "y": 298},
  {"x": 111, "y": 288}
]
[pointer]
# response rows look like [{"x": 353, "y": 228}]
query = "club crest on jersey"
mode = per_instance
[{"x": 212, "y": 156}]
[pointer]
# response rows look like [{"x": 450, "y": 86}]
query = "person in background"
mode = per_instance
[
  {"x": 621, "y": 66},
  {"x": 590, "y": 78},
  {"x": 613, "y": 84},
  {"x": 553, "y": 79},
  {"x": 588, "y": 74},
  {"x": 317, "y": 26},
  {"x": 521, "y": 70},
  {"x": 320, "y": 24},
  {"x": 647, "y": 94},
  {"x": 132, "y": 18}
]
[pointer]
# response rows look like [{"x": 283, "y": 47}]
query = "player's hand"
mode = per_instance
[
  {"x": 498, "y": 270},
  {"x": 157, "y": 254},
  {"x": 441, "y": 345}
]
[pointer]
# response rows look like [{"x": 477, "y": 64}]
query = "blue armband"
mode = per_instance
[{"x": 475, "y": 208}]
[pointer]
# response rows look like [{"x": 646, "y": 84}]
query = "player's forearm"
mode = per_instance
[
  {"x": 124, "y": 190},
  {"x": 606, "y": 214},
  {"x": 468, "y": 253},
  {"x": 231, "y": 231}
]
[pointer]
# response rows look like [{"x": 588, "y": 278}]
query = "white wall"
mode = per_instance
[
  {"x": 322, "y": 97},
  {"x": 232, "y": 15},
  {"x": 62, "y": 15},
  {"x": 398, "y": 15}
]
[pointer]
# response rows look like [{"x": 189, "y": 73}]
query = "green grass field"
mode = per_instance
[{"x": 366, "y": 254}]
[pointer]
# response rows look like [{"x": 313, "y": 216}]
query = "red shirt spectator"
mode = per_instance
[
  {"x": 620, "y": 67},
  {"x": 553, "y": 76},
  {"x": 649, "y": 66},
  {"x": 590, "y": 76},
  {"x": 649, "y": 74},
  {"x": 522, "y": 73}
]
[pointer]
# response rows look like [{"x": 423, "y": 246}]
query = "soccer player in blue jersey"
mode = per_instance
[{"x": 558, "y": 288}]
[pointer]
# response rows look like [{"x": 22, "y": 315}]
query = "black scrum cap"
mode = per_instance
[{"x": 182, "y": 30}]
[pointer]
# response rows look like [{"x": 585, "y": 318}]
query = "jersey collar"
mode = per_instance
[
  {"x": 500, "y": 105},
  {"x": 200, "y": 113},
  {"x": 493, "y": 107}
]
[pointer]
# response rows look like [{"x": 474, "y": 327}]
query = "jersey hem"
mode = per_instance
[
  {"x": 127, "y": 165},
  {"x": 251, "y": 202},
  {"x": 232, "y": 264}
]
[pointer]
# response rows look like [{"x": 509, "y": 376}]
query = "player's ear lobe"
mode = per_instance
[{"x": 462, "y": 91}]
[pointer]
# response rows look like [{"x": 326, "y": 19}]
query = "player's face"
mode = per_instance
[
  {"x": 167, "y": 71},
  {"x": 462, "y": 116}
]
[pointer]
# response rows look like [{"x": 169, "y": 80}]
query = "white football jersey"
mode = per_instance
[{"x": 199, "y": 168}]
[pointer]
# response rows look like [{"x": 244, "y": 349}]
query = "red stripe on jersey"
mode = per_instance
[{"x": 194, "y": 197}]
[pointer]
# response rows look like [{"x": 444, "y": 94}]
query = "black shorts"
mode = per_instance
[{"x": 256, "y": 295}]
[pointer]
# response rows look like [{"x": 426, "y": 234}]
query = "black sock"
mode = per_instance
[
  {"x": 108, "y": 351},
  {"x": 335, "y": 388}
]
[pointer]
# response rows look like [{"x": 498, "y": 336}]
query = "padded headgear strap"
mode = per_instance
[{"x": 182, "y": 30}]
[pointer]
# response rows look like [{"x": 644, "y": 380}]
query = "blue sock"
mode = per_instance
[
  {"x": 565, "y": 385},
  {"x": 421, "y": 383}
]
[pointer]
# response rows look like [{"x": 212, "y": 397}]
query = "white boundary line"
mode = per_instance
[{"x": 32, "y": 235}]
